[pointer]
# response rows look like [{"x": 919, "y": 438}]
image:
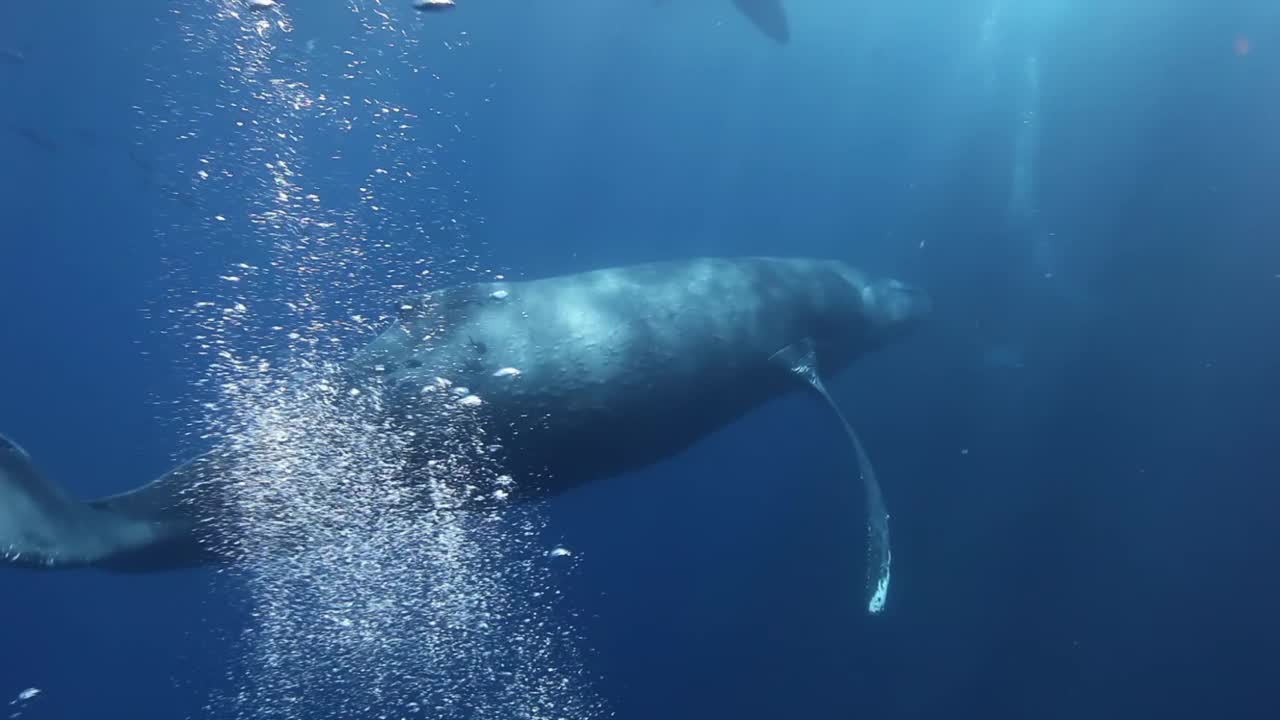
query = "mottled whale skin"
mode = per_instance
[
  {"x": 589, "y": 375},
  {"x": 576, "y": 378}
]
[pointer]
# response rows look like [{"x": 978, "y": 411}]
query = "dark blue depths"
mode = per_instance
[{"x": 1078, "y": 453}]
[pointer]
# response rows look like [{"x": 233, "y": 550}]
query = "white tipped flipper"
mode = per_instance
[{"x": 801, "y": 359}]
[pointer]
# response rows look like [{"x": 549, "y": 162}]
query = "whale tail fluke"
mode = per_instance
[
  {"x": 768, "y": 16},
  {"x": 43, "y": 527}
]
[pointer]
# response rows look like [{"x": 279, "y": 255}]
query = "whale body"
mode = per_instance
[
  {"x": 575, "y": 378},
  {"x": 615, "y": 369}
]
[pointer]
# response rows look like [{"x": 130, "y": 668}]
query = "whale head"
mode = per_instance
[
  {"x": 869, "y": 311},
  {"x": 894, "y": 307}
]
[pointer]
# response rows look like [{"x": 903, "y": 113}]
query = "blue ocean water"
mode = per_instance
[{"x": 1079, "y": 451}]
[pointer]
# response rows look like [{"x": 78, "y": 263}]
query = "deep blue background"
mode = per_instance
[{"x": 1089, "y": 534}]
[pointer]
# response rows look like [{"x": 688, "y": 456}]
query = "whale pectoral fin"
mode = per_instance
[{"x": 801, "y": 359}]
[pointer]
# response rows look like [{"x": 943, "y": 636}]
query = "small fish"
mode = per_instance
[
  {"x": 139, "y": 161},
  {"x": 12, "y": 56},
  {"x": 35, "y": 137},
  {"x": 262, "y": 4},
  {"x": 427, "y": 5},
  {"x": 89, "y": 135},
  {"x": 26, "y": 695}
]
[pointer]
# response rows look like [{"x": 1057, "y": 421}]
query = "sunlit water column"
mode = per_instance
[
  {"x": 1024, "y": 219},
  {"x": 1024, "y": 198},
  {"x": 377, "y": 608},
  {"x": 1010, "y": 56}
]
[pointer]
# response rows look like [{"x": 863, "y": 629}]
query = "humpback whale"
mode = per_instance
[{"x": 575, "y": 378}]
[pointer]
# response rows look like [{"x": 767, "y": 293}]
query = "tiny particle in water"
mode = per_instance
[
  {"x": 499, "y": 294},
  {"x": 964, "y": 451},
  {"x": 560, "y": 551},
  {"x": 353, "y": 392},
  {"x": 507, "y": 372},
  {"x": 219, "y": 218},
  {"x": 501, "y": 494}
]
